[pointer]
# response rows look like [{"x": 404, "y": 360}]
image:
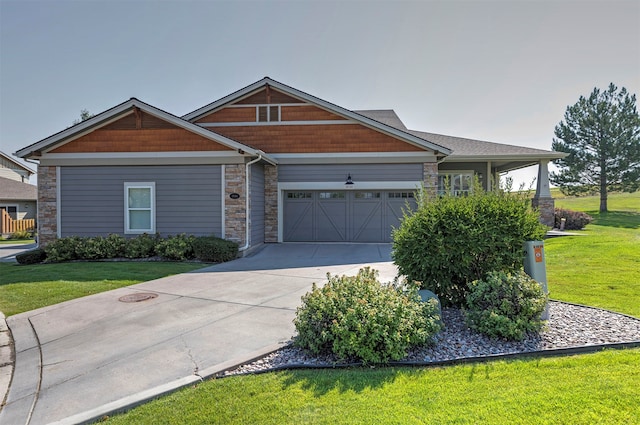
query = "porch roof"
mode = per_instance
[{"x": 503, "y": 157}]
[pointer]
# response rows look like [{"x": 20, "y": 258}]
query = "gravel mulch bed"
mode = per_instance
[{"x": 569, "y": 326}]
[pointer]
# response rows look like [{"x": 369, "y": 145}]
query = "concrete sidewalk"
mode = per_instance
[{"x": 82, "y": 359}]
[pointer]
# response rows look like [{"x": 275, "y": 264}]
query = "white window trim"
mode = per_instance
[
  {"x": 268, "y": 106},
  {"x": 451, "y": 173},
  {"x": 139, "y": 185}
]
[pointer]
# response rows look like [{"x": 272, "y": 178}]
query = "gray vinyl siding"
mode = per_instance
[
  {"x": 257, "y": 204},
  {"x": 359, "y": 172},
  {"x": 188, "y": 199}
]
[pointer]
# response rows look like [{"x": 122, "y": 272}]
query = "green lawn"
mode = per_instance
[
  {"x": 600, "y": 268},
  {"x": 16, "y": 241},
  {"x": 24, "y": 288},
  {"x": 596, "y": 388}
]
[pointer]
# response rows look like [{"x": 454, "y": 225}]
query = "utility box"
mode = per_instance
[{"x": 535, "y": 266}]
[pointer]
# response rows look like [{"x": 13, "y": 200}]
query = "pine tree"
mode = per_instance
[{"x": 601, "y": 134}]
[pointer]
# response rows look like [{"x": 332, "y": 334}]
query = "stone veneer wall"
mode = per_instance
[
  {"x": 235, "y": 213},
  {"x": 430, "y": 178},
  {"x": 546, "y": 206},
  {"x": 270, "y": 203},
  {"x": 47, "y": 205}
]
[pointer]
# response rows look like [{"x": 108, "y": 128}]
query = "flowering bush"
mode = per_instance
[{"x": 575, "y": 220}]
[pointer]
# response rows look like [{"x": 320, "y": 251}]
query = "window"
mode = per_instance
[
  {"x": 367, "y": 195},
  {"x": 299, "y": 195},
  {"x": 268, "y": 113},
  {"x": 332, "y": 195},
  {"x": 403, "y": 195},
  {"x": 12, "y": 210},
  {"x": 455, "y": 183},
  {"x": 139, "y": 207}
]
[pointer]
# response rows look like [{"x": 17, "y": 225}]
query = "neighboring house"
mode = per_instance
[
  {"x": 12, "y": 169},
  {"x": 267, "y": 163},
  {"x": 17, "y": 197}
]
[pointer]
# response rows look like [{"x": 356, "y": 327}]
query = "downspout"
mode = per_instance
[{"x": 246, "y": 201}]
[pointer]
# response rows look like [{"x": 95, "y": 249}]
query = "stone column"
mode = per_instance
[
  {"x": 430, "y": 179},
  {"x": 235, "y": 209},
  {"x": 270, "y": 203},
  {"x": 47, "y": 205},
  {"x": 542, "y": 200}
]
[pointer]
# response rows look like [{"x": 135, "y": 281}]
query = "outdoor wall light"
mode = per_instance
[{"x": 349, "y": 181}]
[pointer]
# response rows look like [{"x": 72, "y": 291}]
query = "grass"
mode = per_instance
[
  {"x": 16, "y": 241},
  {"x": 586, "y": 389},
  {"x": 24, "y": 288},
  {"x": 599, "y": 268}
]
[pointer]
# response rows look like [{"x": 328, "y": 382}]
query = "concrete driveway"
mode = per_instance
[
  {"x": 8, "y": 252},
  {"x": 79, "y": 360}
]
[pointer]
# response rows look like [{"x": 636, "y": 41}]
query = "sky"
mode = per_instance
[{"x": 501, "y": 71}]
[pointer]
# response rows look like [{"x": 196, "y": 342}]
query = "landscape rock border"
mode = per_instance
[{"x": 572, "y": 329}]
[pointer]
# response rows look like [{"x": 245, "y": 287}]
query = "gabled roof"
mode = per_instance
[
  {"x": 19, "y": 165},
  {"x": 362, "y": 119},
  {"x": 13, "y": 190},
  {"x": 122, "y": 110}
]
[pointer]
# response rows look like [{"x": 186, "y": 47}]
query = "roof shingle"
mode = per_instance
[{"x": 12, "y": 190}]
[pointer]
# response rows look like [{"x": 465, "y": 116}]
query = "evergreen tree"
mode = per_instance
[
  {"x": 601, "y": 134},
  {"x": 84, "y": 115}
]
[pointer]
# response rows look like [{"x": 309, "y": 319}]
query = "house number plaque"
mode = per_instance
[{"x": 234, "y": 195}]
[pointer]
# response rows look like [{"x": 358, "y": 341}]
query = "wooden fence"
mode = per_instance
[{"x": 9, "y": 225}]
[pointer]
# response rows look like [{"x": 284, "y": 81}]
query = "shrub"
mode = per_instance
[
  {"x": 63, "y": 249},
  {"x": 178, "y": 247},
  {"x": 357, "y": 317},
  {"x": 114, "y": 246},
  {"x": 33, "y": 256},
  {"x": 98, "y": 247},
  {"x": 213, "y": 249},
  {"x": 21, "y": 234},
  {"x": 142, "y": 246},
  {"x": 450, "y": 241},
  {"x": 505, "y": 305},
  {"x": 575, "y": 220}
]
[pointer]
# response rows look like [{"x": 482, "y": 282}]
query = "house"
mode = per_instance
[
  {"x": 17, "y": 197},
  {"x": 12, "y": 169},
  {"x": 267, "y": 163}
]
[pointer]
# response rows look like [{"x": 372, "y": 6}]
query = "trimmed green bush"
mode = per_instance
[
  {"x": 63, "y": 249},
  {"x": 505, "y": 305},
  {"x": 574, "y": 220},
  {"x": 33, "y": 256},
  {"x": 213, "y": 249},
  {"x": 142, "y": 246},
  {"x": 451, "y": 241},
  {"x": 358, "y": 318},
  {"x": 178, "y": 247}
]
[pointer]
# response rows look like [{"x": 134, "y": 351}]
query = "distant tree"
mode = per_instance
[
  {"x": 84, "y": 115},
  {"x": 601, "y": 134}
]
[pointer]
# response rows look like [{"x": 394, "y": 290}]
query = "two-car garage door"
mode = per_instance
[{"x": 343, "y": 216}]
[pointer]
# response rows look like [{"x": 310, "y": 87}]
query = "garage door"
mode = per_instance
[{"x": 343, "y": 216}]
